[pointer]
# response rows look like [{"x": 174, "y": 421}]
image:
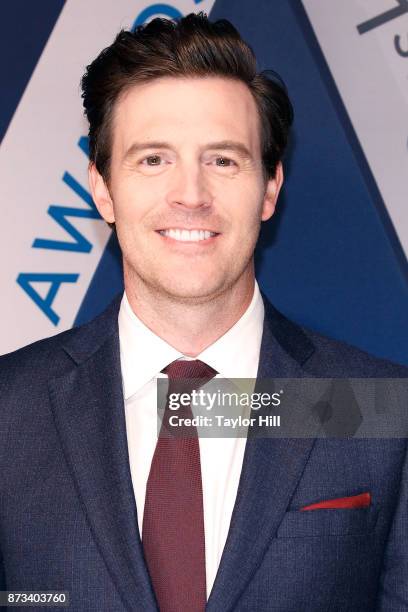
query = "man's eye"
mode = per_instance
[
  {"x": 152, "y": 160},
  {"x": 224, "y": 162}
]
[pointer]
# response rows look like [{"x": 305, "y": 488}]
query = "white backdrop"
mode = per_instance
[{"x": 365, "y": 43}]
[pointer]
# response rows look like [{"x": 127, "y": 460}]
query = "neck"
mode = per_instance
[{"x": 190, "y": 327}]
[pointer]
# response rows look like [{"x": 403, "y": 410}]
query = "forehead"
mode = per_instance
[{"x": 184, "y": 110}]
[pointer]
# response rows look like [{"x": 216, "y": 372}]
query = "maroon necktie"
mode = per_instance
[{"x": 173, "y": 520}]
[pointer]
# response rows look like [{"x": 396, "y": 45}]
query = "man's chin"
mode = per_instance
[{"x": 194, "y": 293}]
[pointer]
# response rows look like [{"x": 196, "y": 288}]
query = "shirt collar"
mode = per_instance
[
  {"x": 143, "y": 354},
  {"x": 236, "y": 353}
]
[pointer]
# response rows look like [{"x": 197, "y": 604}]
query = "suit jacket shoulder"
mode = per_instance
[
  {"x": 47, "y": 357},
  {"x": 348, "y": 360},
  {"x": 322, "y": 356}
]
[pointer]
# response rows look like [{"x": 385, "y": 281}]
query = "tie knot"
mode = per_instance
[
  {"x": 189, "y": 370},
  {"x": 185, "y": 376}
]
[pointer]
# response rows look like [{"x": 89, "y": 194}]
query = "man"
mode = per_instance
[{"x": 186, "y": 141}]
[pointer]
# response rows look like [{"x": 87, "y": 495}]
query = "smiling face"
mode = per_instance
[{"x": 186, "y": 189}]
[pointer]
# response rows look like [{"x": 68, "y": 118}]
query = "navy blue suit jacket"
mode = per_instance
[{"x": 68, "y": 518}]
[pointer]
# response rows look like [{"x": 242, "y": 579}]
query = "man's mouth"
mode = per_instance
[{"x": 184, "y": 235}]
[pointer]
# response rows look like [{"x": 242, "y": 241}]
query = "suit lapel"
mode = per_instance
[
  {"x": 89, "y": 414},
  {"x": 270, "y": 472}
]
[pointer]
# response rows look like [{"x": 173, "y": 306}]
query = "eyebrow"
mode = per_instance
[
  {"x": 230, "y": 145},
  {"x": 224, "y": 145}
]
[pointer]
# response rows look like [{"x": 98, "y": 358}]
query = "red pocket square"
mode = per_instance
[{"x": 355, "y": 501}]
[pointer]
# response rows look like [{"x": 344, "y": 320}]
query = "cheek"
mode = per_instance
[
  {"x": 246, "y": 209},
  {"x": 131, "y": 204}
]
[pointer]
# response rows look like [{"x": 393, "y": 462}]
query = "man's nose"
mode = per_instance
[{"x": 189, "y": 187}]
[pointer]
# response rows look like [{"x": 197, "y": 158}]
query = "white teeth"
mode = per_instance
[{"x": 187, "y": 235}]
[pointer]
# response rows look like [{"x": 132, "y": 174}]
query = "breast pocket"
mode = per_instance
[{"x": 334, "y": 522}]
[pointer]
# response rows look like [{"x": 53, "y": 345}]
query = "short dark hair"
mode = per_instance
[{"x": 192, "y": 46}]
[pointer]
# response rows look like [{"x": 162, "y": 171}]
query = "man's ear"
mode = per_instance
[
  {"x": 271, "y": 194},
  {"x": 100, "y": 194}
]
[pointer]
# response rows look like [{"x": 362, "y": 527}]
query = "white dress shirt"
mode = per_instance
[{"x": 143, "y": 355}]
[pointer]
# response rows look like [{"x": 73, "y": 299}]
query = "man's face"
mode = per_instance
[{"x": 186, "y": 189}]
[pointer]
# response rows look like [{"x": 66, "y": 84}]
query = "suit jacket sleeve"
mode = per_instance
[{"x": 393, "y": 591}]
